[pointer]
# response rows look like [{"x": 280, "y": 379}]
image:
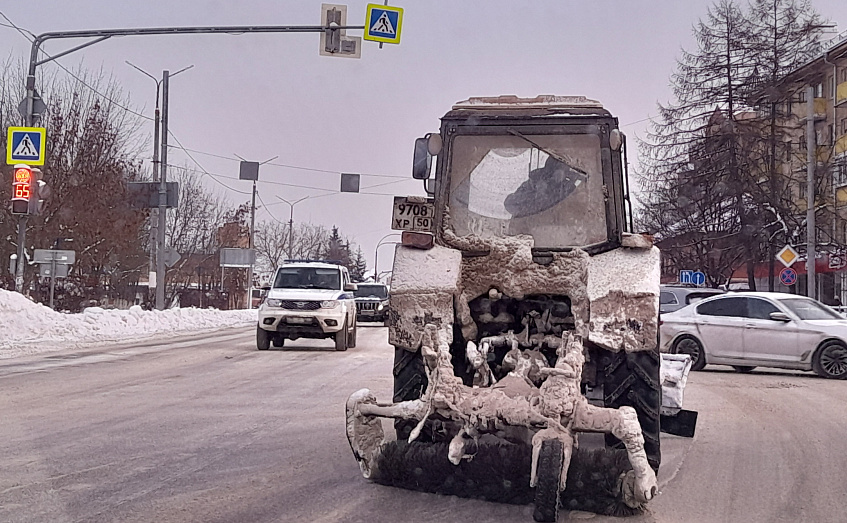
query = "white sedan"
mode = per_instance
[{"x": 764, "y": 329}]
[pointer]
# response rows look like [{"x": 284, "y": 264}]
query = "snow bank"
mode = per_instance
[{"x": 29, "y": 328}]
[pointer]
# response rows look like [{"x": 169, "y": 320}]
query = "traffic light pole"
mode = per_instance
[
  {"x": 99, "y": 35},
  {"x": 19, "y": 267}
]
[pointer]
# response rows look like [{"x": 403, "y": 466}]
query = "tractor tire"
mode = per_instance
[
  {"x": 263, "y": 339},
  {"x": 409, "y": 383},
  {"x": 633, "y": 379},
  {"x": 549, "y": 478}
]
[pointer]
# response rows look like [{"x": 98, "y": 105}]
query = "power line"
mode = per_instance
[
  {"x": 30, "y": 36},
  {"x": 311, "y": 169}
]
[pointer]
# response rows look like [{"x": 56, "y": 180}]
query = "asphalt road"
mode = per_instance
[{"x": 208, "y": 429}]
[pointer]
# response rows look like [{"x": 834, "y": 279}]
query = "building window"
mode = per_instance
[
  {"x": 802, "y": 190},
  {"x": 802, "y": 143},
  {"x": 844, "y": 123},
  {"x": 801, "y": 95},
  {"x": 839, "y": 174},
  {"x": 818, "y": 90},
  {"x": 787, "y": 151}
]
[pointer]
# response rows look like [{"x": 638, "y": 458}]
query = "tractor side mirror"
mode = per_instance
[{"x": 422, "y": 160}]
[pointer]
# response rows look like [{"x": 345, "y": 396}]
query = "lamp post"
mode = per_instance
[
  {"x": 376, "y": 253},
  {"x": 160, "y": 227},
  {"x": 291, "y": 222}
]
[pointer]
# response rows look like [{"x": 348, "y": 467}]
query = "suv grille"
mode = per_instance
[
  {"x": 366, "y": 306},
  {"x": 300, "y": 305}
]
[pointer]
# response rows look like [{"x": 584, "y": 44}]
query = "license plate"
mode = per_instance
[
  {"x": 413, "y": 214},
  {"x": 299, "y": 320}
]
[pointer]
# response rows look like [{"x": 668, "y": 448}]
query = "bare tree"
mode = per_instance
[{"x": 92, "y": 151}]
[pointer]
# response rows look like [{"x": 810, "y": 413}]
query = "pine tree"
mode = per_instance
[{"x": 359, "y": 266}]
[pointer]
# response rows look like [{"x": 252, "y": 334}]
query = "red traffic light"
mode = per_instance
[{"x": 21, "y": 189}]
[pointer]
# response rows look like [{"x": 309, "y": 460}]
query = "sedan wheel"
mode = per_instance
[
  {"x": 691, "y": 346},
  {"x": 830, "y": 361}
]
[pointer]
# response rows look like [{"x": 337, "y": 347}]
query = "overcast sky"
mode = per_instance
[{"x": 266, "y": 95}]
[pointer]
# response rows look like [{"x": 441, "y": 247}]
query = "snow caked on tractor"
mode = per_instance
[{"x": 523, "y": 312}]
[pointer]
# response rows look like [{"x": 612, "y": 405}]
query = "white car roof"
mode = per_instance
[
  {"x": 317, "y": 265},
  {"x": 762, "y": 294}
]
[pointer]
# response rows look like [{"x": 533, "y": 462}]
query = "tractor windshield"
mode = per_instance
[{"x": 547, "y": 186}]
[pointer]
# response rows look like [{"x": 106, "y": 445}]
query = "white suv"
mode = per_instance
[{"x": 308, "y": 299}]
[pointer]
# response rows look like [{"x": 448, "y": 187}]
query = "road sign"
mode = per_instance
[
  {"x": 171, "y": 256},
  {"x": 38, "y": 107},
  {"x": 54, "y": 255},
  {"x": 787, "y": 255},
  {"x": 237, "y": 257},
  {"x": 145, "y": 195},
  {"x": 25, "y": 145},
  {"x": 383, "y": 23},
  {"x": 788, "y": 276},
  {"x": 349, "y": 182},
  {"x": 692, "y": 277},
  {"x": 46, "y": 270}
]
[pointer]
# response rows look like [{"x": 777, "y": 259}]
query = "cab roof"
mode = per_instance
[{"x": 512, "y": 105}]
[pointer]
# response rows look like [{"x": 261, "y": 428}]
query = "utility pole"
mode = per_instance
[
  {"x": 163, "y": 199},
  {"x": 252, "y": 241},
  {"x": 154, "y": 227},
  {"x": 811, "y": 281}
]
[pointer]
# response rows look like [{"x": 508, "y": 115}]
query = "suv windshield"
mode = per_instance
[
  {"x": 371, "y": 291},
  {"x": 505, "y": 186},
  {"x": 810, "y": 309},
  {"x": 307, "y": 278}
]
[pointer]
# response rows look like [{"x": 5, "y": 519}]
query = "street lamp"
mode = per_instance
[
  {"x": 291, "y": 223},
  {"x": 160, "y": 228},
  {"x": 376, "y": 253}
]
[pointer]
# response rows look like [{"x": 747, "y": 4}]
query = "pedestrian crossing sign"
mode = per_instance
[
  {"x": 25, "y": 145},
  {"x": 382, "y": 23}
]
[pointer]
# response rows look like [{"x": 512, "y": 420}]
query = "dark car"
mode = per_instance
[
  {"x": 371, "y": 302},
  {"x": 675, "y": 297}
]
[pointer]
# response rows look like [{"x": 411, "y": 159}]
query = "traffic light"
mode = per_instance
[
  {"x": 28, "y": 189},
  {"x": 22, "y": 189}
]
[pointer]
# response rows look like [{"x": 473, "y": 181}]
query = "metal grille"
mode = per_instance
[
  {"x": 301, "y": 305},
  {"x": 366, "y": 306}
]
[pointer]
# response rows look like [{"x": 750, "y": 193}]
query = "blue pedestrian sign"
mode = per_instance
[
  {"x": 382, "y": 23},
  {"x": 692, "y": 278},
  {"x": 25, "y": 145},
  {"x": 788, "y": 276}
]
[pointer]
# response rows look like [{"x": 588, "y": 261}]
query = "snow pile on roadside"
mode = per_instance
[{"x": 29, "y": 328}]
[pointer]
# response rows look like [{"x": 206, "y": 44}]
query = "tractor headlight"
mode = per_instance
[
  {"x": 329, "y": 304},
  {"x": 272, "y": 302}
]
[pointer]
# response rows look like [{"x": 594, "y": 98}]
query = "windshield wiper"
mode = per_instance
[{"x": 556, "y": 156}]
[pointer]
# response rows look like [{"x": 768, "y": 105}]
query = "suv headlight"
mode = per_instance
[
  {"x": 381, "y": 306},
  {"x": 329, "y": 304},
  {"x": 272, "y": 302}
]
